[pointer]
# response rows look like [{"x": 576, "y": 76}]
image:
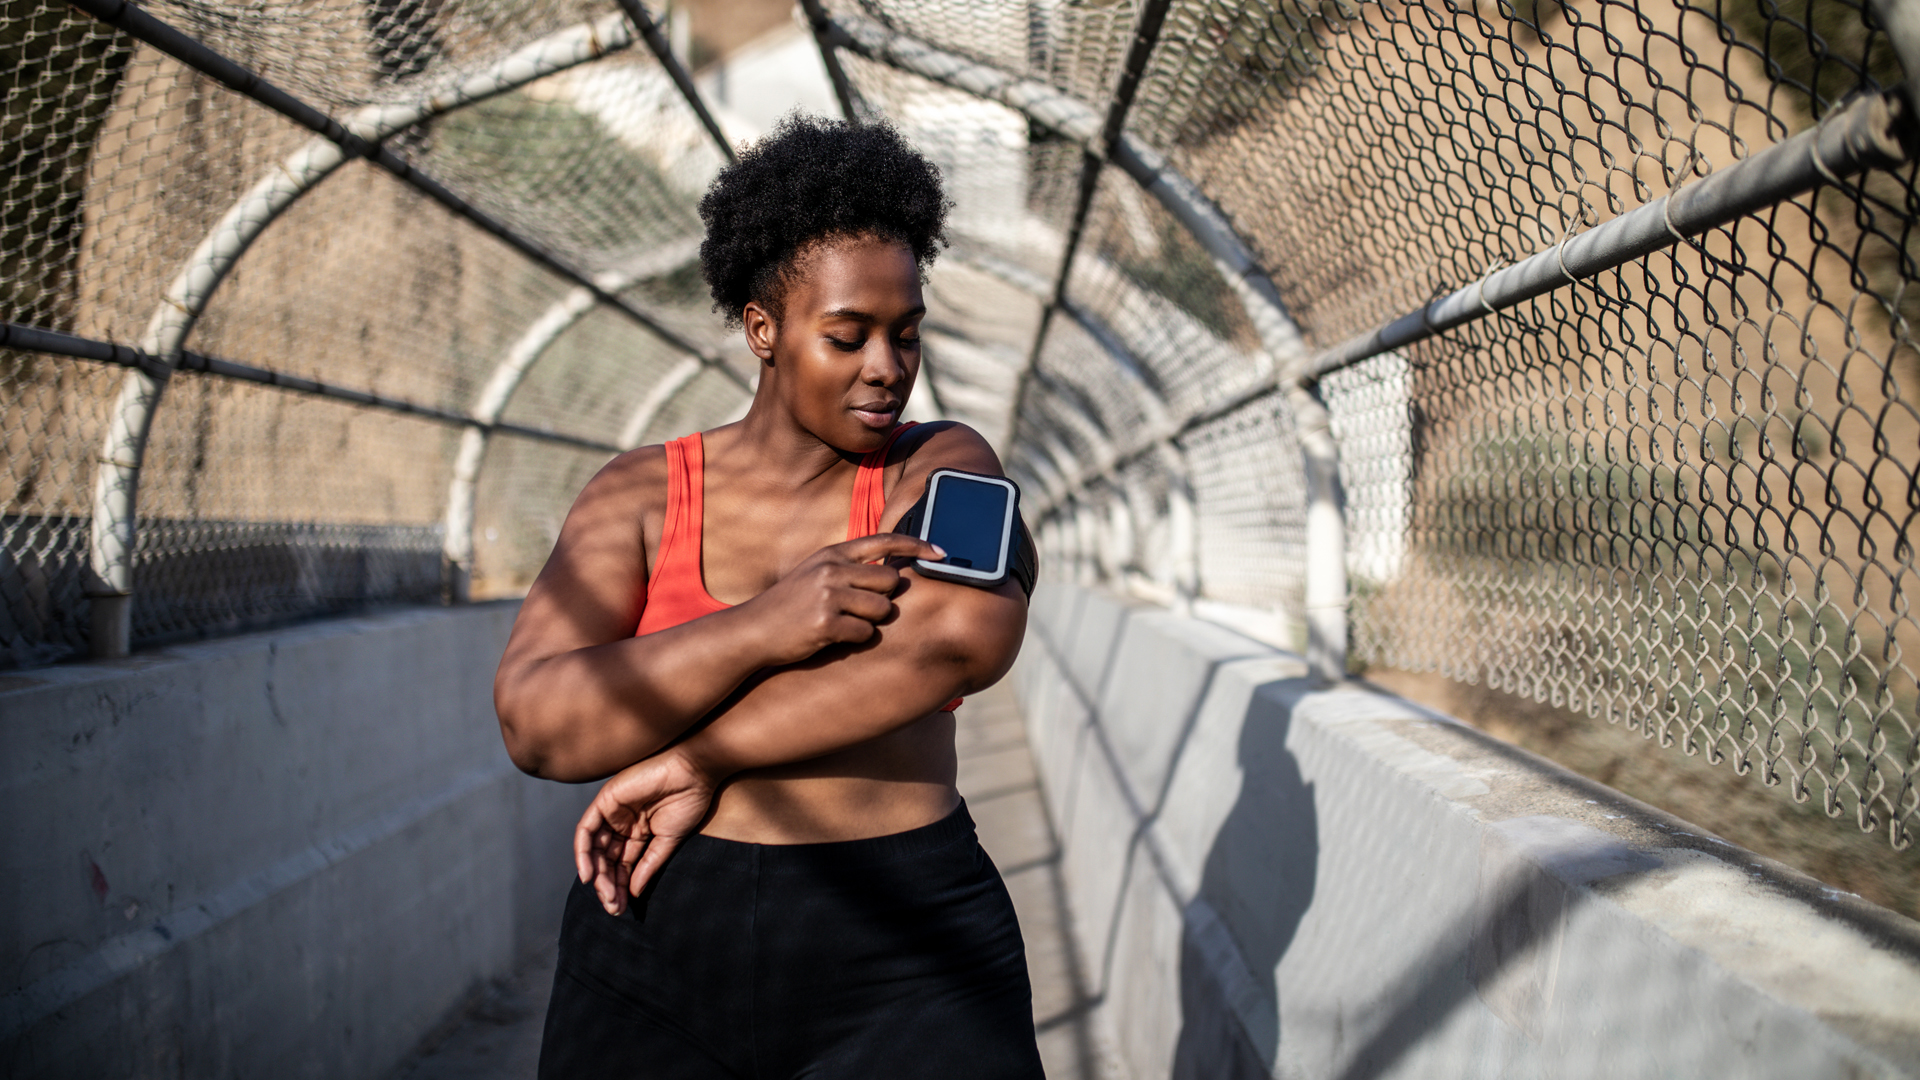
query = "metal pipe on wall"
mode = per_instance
[
  {"x": 1876, "y": 131},
  {"x": 54, "y": 343}
]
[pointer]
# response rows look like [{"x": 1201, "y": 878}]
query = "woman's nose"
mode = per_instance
[{"x": 886, "y": 365}]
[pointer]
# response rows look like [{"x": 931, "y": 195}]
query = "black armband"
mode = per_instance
[{"x": 1025, "y": 565}]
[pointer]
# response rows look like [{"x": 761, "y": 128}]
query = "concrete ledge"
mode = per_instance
[
  {"x": 1340, "y": 883},
  {"x": 288, "y": 853}
]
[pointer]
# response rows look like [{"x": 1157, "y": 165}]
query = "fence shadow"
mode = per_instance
[{"x": 1260, "y": 873}]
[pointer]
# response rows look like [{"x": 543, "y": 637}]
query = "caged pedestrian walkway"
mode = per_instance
[{"x": 1550, "y": 365}]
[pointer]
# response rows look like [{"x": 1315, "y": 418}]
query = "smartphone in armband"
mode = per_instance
[{"x": 973, "y": 518}]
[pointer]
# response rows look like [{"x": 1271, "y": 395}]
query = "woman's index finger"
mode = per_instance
[{"x": 887, "y": 545}]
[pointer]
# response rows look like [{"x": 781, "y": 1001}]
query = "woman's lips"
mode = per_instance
[{"x": 878, "y": 419}]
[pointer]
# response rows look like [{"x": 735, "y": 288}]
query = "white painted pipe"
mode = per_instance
[
  {"x": 1325, "y": 600},
  {"x": 506, "y": 379},
  {"x": 663, "y": 392},
  {"x": 1183, "y": 528}
]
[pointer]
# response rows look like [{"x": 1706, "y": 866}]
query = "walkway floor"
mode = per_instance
[{"x": 499, "y": 1038}]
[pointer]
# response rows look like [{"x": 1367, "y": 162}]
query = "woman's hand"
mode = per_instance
[
  {"x": 640, "y": 816},
  {"x": 837, "y": 595}
]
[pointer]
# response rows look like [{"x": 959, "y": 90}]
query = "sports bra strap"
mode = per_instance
[
  {"x": 870, "y": 501},
  {"x": 869, "y": 489},
  {"x": 676, "y": 590},
  {"x": 686, "y": 509}
]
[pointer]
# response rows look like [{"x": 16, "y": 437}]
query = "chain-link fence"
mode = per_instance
[
  {"x": 520, "y": 261},
  {"x": 1564, "y": 346},
  {"x": 1676, "y": 494}
]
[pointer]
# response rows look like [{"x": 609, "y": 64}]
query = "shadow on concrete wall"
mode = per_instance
[
  {"x": 1259, "y": 879},
  {"x": 1347, "y": 886}
]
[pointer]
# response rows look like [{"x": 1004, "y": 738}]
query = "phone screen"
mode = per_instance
[{"x": 968, "y": 521}]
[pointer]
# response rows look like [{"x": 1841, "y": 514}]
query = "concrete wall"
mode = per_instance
[
  {"x": 1272, "y": 880},
  {"x": 285, "y": 854}
]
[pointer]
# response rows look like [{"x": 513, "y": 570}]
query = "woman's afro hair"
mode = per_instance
[{"x": 812, "y": 179}]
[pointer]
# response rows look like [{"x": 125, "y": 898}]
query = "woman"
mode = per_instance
[{"x": 779, "y": 879}]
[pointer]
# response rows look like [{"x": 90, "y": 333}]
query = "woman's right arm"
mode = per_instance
[{"x": 579, "y": 697}]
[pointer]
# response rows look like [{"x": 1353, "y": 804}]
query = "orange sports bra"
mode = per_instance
[{"x": 676, "y": 588}]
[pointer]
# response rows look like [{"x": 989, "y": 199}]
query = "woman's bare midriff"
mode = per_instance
[{"x": 900, "y": 781}]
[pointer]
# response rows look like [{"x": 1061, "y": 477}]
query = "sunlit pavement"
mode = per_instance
[{"x": 499, "y": 1036}]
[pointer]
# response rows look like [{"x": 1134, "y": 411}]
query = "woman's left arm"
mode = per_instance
[
  {"x": 947, "y": 640},
  {"x": 944, "y": 641}
]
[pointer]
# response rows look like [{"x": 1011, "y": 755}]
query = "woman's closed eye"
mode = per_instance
[{"x": 910, "y": 341}]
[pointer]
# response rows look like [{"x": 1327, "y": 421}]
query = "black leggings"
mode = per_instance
[{"x": 897, "y": 956}]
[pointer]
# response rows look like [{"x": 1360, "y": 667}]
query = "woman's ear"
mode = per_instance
[{"x": 761, "y": 330}]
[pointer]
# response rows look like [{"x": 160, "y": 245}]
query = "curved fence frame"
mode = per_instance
[
  {"x": 1866, "y": 135},
  {"x": 360, "y": 134},
  {"x": 507, "y": 377}
]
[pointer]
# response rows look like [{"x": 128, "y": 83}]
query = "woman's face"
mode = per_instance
[{"x": 844, "y": 355}]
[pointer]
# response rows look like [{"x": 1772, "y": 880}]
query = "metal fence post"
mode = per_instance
[
  {"x": 1325, "y": 600},
  {"x": 117, "y": 485},
  {"x": 487, "y": 408},
  {"x": 663, "y": 51},
  {"x": 843, "y": 90}
]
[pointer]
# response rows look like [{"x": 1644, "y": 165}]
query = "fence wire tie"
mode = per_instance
[
  {"x": 1480, "y": 292},
  {"x": 1560, "y": 251},
  {"x": 1666, "y": 201},
  {"x": 1666, "y": 216},
  {"x": 1820, "y": 165}
]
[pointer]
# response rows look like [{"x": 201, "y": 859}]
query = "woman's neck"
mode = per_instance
[{"x": 769, "y": 444}]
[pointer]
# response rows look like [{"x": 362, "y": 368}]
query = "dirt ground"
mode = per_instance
[
  {"x": 719, "y": 27},
  {"x": 1734, "y": 807}
]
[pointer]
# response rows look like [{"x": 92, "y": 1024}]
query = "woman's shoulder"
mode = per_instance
[
  {"x": 941, "y": 444},
  {"x": 636, "y": 478},
  {"x": 944, "y": 444}
]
